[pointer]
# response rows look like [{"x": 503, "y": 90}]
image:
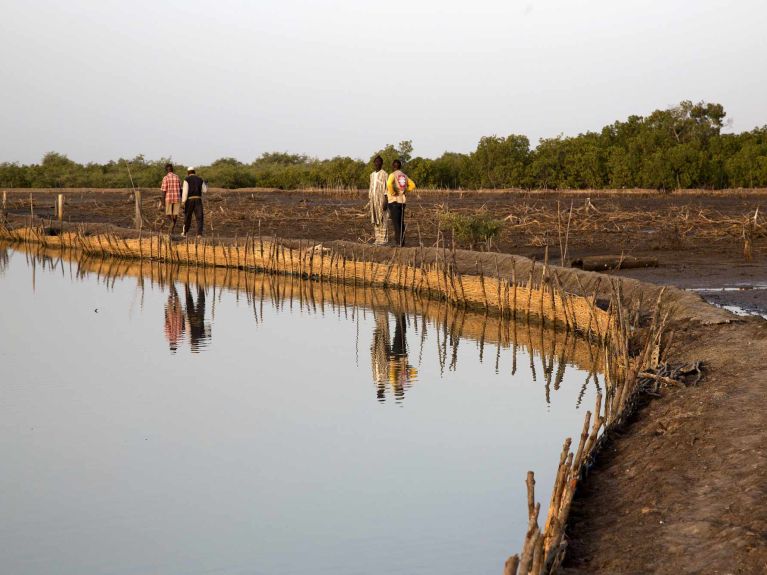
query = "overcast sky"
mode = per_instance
[{"x": 198, "y": 80}]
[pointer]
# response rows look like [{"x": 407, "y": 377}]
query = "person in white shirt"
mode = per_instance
[{"x": 377, "y": 202}]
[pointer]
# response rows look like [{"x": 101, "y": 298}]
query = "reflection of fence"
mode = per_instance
[
  {"x": 4, "y": 258},
  {"x": 556, "y": 347},
  {"x": 545, "y": 300},
  {"x": 616, "y": 330}
]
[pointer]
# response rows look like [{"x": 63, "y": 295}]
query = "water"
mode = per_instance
[
  {"x": 169, "y": 421},
  {"x": 740, "y": 299}
]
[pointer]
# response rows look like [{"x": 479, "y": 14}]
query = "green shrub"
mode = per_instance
[{"x": 474, "y": 231}]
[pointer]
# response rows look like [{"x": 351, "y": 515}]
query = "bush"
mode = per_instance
[{"x": 472, "y": 230}]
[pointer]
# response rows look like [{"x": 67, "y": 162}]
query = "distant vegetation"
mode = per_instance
[{"x": 682, "y": 147}]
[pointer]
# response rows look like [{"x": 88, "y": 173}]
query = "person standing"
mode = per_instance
[
  {"x": 191, "y": 200},
  {"x": 377, "y": 202},
  {"x": 171, "y": 188},
  {"x": 397, "y": 186}
]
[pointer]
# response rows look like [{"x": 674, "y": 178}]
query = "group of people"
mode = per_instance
[
  {"x": 388, "y": 197},
  {"x": 186, "y": 196}
]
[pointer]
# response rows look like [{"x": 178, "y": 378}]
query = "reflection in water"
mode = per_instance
[
  {"x": 390, "y": 362},
  {"x": 393, "y": 372},
  {"x": 232, "y": 472},
  {"x": 190, "y": 319},
  {"x": 174, "y": 319},
  {"x": 199, "y": 330},
  {"x": 4, "y": 259}
]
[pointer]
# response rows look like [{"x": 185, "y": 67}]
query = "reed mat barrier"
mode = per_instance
[{"x": 630, "y": 340}]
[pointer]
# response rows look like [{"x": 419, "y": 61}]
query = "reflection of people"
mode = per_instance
[
  {"x": 174, "y": 319},
  {"x": 199, "y": 333},
  {"x": 377, "y": 199},
  {"x": 379, "y": 351},
  {"x": 397, "y": 186},
  {"x": 390, "y": 362}
]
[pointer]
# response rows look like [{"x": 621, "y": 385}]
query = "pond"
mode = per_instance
[{"x": 180, "y": 421}]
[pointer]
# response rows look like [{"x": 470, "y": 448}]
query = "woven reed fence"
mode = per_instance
[{"x": 615, "y": 331}]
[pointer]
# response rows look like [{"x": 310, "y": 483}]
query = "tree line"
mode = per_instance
[{"x": 681, "y": 147}]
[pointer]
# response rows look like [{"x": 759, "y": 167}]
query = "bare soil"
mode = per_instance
[{"x": 683, "y": 488}]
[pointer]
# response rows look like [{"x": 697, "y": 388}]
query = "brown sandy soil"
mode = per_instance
[{"x": 682, "y": 489}]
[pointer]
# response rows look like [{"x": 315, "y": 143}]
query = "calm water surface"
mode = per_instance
[{"x": 168, "y": 425}]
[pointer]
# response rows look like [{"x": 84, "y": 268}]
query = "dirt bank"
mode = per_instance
[{"x": 684, "y": 489}]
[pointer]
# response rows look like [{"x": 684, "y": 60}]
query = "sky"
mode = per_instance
[{"x": 198, "y": 80}]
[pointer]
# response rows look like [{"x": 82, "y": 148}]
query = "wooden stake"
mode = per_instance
[
  {"x": 512, "y": 563},
  {"x": 60, "y": 208},
  {"x": 514, "y": 283},
  {"x": 138, "y": 218}
]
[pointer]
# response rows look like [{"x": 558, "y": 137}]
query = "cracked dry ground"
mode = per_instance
[{"x": 684, "y": 489}]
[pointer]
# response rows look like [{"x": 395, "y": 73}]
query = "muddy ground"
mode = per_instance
[{"x": 683, "y": 488}]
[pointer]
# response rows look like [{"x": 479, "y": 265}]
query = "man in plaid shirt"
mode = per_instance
[{"x": 171, "y": 187}]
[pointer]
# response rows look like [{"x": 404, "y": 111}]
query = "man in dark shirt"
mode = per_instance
[{"x": 191, "y": 200}]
